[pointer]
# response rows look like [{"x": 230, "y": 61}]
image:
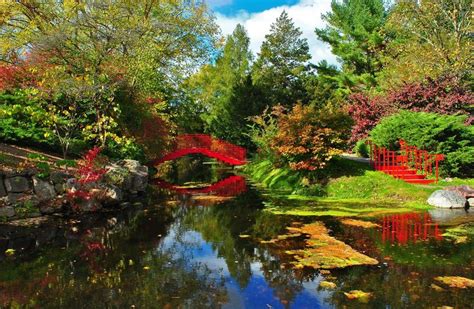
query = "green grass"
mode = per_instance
[{"x": 343, "y": 181}]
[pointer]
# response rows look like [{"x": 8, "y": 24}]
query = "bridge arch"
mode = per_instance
[{"x": 206, "y": 145}]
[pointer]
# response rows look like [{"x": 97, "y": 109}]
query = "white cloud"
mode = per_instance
[{"x": 306, "y": 15}]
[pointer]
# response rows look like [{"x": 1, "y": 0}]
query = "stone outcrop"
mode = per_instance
[
  {"x": 25, "y": 194},
  {"x": 447, "y": 199}
]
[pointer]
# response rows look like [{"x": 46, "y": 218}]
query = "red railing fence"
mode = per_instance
[{"x": 409, "y": 163}]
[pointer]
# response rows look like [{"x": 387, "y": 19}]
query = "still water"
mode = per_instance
[{"x": 195, "y": 247}]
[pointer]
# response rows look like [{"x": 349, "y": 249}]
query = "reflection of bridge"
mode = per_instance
[
  {"x": 207, "y": 145},
  {"x": 230, "y": 186},
  {"x": 411, "y": 227}
]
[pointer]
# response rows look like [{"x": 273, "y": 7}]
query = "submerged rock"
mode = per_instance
[{"x": 447, "y": 199}]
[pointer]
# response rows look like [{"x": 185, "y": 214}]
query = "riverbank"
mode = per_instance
[
  {"x": 35, "y": 184},
  {"x": 343, "y": 183}
]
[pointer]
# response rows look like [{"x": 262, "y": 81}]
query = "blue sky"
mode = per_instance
[
  {"x": 257, "y": 16},
  {"x": 229, "y": 7}
]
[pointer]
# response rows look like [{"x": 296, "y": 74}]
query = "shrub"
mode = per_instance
[
  {"x": 307, "y": 138},
  {"x": 445, "y": 95},
  {"x": 22, "y": 119},
  {"x": 361, "y": 149},
  {"x": 436, "y": 133}
]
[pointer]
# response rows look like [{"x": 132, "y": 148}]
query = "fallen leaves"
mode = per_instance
[
  {"x": 359, "y": 223},
  {"x": 327, "y": 285},
  {"x": 456, "y": 282},
  {"x": 324, "y": 251},
  {"x": 358, "y": 295}
]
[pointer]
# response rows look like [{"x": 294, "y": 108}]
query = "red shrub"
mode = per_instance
[{"x": 445, "y": 95}]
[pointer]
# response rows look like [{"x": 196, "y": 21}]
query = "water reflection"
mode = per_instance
[
  {"x": 409, "y": 228},
  {"x": 231, "y": 186}
]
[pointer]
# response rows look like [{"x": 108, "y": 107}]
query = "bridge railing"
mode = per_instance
[
  {"x": 409, "y": 157},
  {"x": 208, "y": 142}
]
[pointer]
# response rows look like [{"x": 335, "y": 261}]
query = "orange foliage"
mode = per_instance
[{"x": 308, "y": 138}]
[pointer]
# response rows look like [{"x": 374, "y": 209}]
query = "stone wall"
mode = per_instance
[{"x": 25, "y": 194}]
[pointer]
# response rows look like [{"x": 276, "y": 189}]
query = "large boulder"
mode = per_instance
[
  {"x": 43, "y": 189},
  {"x": 17, "y": 184},
  {"x": 447, "y": 199},
  {"x": 136, "y": 180}
]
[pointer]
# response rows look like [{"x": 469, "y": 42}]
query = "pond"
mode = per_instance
[{"x": 195, "y": 247}]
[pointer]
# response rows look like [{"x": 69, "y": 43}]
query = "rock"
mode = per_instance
[
  {"x": 3, "y": 191},
  {"x": 90, "y": 205},
  {"x": 139, "y": 173},
  {"x": 51, "y": 207},
  {"x": 3, "y": 244},
  {"x": 60, "y": 188},
  {"x": 112, "y": 195},
  {"x": 17, "y": 184},
  {"x": 447, "y": 199},
  {"x": 119, "y": 176},
  {"x": 15, "y": 198},
  {"x": 7, "y": 211},
  {"x": 59, "y": 177},
  {"x": 43, "y": 189},
  {"x": 71, "y": 184},
  {"x": 465, "y": 191},
  {"x": 470, "y": 201}
]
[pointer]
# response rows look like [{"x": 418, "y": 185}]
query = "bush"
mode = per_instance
[
  {"x": 445, "y": 95},
  {"x": 448, "y": 135},
  {"x": 361, "y": 149},
  {"x": 307, "y": 138},
  {"x": 22, "y": 119}
]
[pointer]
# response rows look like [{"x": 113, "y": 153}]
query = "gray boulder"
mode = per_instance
[
  {"x": 43, "y": 189},
  {"x": 7, "y": 211},
  {"x": 447, "y": 199},
  {"x": 17, "y": 184},
  {"x": 139, "y": 173}
]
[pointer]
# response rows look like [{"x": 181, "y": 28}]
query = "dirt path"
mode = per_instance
[{"x": 11, "y": 155}]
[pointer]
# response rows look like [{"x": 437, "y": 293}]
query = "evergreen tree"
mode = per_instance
[
  {"x": 355, "y": 33},
  {"x": 225, "y": 89},
  {"x": 281, "y": 68}
]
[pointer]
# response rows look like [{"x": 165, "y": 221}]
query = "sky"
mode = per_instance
[{"x": 257, "y": 16}]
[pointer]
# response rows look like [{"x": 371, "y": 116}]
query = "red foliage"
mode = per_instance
[
  {"x": 366, "y": 113},
  {"x": 88, "y": 170},
  {"x": 88, "y": 174},
  {"x": 444, "y": 96}
]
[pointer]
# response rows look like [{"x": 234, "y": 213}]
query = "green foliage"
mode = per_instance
[
  {"x": 124, "y": 148},
  {"x": 355, "y": 34},
  {"x": 41, "y": 163},
  {"x": 280, "y": 70},
  {"x": 361, "y": 149},
  {"x": 22, "y": 118},
  {"x": 433, "y": 38},
  {"x": 436, "y": 133}
]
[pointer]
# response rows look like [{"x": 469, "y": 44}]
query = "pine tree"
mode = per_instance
[
  {"x": 355, "y": 34},
  {"x": 281, "y": 68}
]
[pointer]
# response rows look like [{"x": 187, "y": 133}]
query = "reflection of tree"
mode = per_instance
[
  {"x": 222, "y": 225},
  {"x": 131, "y": 272}
]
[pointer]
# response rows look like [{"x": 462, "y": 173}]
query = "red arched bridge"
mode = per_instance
[
  {"x": 228, "y": 187},
  {"x": 206, "y": 145}
]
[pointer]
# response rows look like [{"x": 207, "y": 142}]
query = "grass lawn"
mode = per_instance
[{"x": 345, "y": 182}]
